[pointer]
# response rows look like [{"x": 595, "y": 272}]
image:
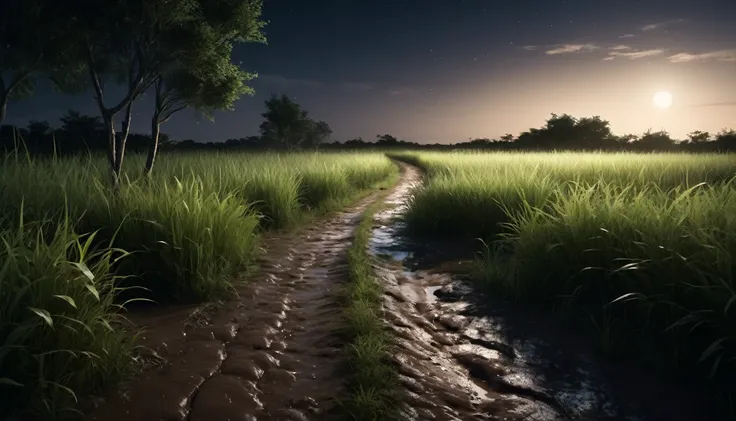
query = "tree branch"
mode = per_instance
[
  {"x": 22, "y": 75},
  {"x": 99, "y": 96},
  {"x": 167, "y": 101},
  {"x": 172, "y": 112},
  {"x": 133, "y": 93}
]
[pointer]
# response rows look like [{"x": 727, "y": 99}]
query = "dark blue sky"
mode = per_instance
[{"x": 446, "y": 70}]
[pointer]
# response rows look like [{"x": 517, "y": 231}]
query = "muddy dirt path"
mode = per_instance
[
  {"x": 272, "y": 354},
  {"x": 462, "y": 355}
]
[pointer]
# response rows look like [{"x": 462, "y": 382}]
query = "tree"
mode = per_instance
[
  {"x": 126, "y": 43},
  {"x": 698, "y": 137},
  {"x": 479, "y": 141},
  {"x": 204, "y": 77},
  {"x": 508, "y": 137},
  {"x": 530, "y": 139},
  {"x": 386, "y": 140},
  {"x": 38, "y": 128},
  {"x": 317, "y": 132},
  {"x": 656, "y": 140},
  {"x": 626, "y": 140},
  {"x": 285, "y": 122},
  {"x": 593, "y": 133},
  {"x": 38, "y": 137},
  {"x": 559, "y": 129},
  {"x": 726, "y": 139},
  {"x": 358, "y": 141},
  {"x": 81, "y": 131}
]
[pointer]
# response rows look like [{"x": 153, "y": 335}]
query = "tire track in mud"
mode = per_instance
[{"x": 272, "y": 354}]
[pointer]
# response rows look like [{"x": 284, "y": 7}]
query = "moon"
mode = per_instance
[{"x": 662, "y": 100}]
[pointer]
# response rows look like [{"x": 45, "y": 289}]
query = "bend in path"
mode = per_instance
[{"x": 272, "y": 354}]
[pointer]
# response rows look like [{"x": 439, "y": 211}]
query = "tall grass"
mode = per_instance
[
  {"x": 198, "y": 218},
  {"x": 187, "y": 230},
  {"x": 641, "y": 248},
  {"x": 469, "y": 191},
  {"x": 59, "y": 336}
]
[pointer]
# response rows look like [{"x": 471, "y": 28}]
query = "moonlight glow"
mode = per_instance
[{"x": 662, "y": 100}]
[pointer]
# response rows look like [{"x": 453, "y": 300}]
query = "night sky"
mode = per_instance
[{"x": 448, "y": 70}]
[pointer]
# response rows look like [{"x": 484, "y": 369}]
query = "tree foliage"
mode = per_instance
[
  {"x": 656, "y": 140},
  {"x": 317, "y": 133},
  {"x": 726, "y": 139},
  {"x": 698, "y": 136},
  {"x": 285, "y": 122},
  {"x": 203, "y": 76},
  {"x": 566, "y": 132},
  {"x": 386, "y": 140}
]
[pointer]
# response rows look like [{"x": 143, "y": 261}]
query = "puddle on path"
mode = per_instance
[{"x": 466, "y": 356}]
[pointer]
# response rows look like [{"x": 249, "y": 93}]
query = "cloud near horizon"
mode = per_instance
[
  {"x": 634, "y": 55},
  {"x": 716, "y": 104},
  {"x": 658, "y": 25},
  {"x": 720, "y": 55},
  {"x": 571, "y": 48}
]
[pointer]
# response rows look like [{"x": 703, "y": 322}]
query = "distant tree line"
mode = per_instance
[
  {"x": 286, "y": 126},
  {"x": 78, "y": 133},
  {"x": 565, "y": 132}
]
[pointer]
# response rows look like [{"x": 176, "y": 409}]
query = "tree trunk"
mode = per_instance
[
  {"x": 120, "y": 152},
  {"x": 3, "y": 106},
  {"x": 153, "y": 149},
  {"x": 109, "y": 123}
]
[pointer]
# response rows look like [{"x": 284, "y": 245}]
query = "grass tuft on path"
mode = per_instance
[{"x": 372, "y": 382}]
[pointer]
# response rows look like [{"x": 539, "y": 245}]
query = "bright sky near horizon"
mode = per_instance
[{"x": 428, "y": 71}]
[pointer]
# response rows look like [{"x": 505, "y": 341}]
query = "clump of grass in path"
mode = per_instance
[
  {"x": 372, "y": 383},
  {"x": 59, "y": 339}
]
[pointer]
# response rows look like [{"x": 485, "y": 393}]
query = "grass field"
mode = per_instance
[
  {"x": 640, "y": 248},
  {"x": 73, "y": 250}
]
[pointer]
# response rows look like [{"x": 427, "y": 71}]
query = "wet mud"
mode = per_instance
[
  {"x": 272, "y": 354},
  {"x": 462, "y": 355}
]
